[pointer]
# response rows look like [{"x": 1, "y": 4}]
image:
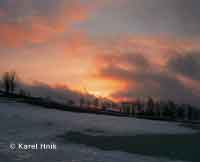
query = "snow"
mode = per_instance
[
  {"x": 27, "y": 123},
  {"x": 79, "y": 121}
]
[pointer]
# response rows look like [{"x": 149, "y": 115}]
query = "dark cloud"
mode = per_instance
[
  {"x": 187, "y": 65},
  {"x": 144, "y": 79},
  {"x": 158, "y": 85},
  {"x": 175, "y": 17}
]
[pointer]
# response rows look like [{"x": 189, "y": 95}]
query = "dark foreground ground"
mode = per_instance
[
  {"x": 83, "y": 137},
  {"x": 176, "y": 147}
]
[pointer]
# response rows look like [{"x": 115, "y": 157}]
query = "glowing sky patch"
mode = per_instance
[{"x": 127, "y": 49}]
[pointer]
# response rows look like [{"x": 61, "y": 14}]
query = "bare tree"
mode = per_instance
[
  {"x": 5, "y": 82},
  {"x": 88, "y": 103},
  {"x": 96, "y": 102},
  {"x": 82, "y": 102},
  {"x": 9, "y": 82},
  {"x": 12, "y": 81},
  {"x": 71, "y": 102},
  {"x": 22, "y": 93},
  {"x": 150, "y": 106}
]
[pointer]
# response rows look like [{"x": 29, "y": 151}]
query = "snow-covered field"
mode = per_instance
[{"x": 22, "y": 123}]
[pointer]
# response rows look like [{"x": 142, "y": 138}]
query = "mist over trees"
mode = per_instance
[{"x": 147, "y": 108}]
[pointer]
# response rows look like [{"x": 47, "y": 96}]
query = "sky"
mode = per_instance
[{"x": 121, "y": 49}]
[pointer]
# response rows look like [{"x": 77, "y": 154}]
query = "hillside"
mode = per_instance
[{"x": 22, "y": 123}]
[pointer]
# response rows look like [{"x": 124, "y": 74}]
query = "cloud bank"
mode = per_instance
[
  {"x": 124, "y": 50},
  {"x": 159, "y": 68}
]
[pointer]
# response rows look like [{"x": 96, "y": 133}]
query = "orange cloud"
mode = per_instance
[
  {"x": 37, "y": 29},
  {"x": 125, "y": 67},
  {"x": 12, "y": 35},
  {"x": 18, "y": 35}
]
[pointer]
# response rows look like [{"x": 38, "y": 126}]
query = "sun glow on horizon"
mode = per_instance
[{"x": 102, "y": 87}]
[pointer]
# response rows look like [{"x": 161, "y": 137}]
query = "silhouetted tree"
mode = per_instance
[
  {"x": 150, "y": 106},
  {"x": 96, "y": 102},
  {"x": 9, "y": 82},
  {"x": 138, "y": 105},
  {"x": 82, "y": 102},
  {"x": 12, "y": 81},
  {"x": 157, "y": 109},
  {"x": 5, "y": 82},
  {"x": 22, "y": 93},
  {"x": 71, "y": 102},
  {"x": 105, "y": 105},
  {"x": 180, "y": 112},
  {"x": 88, "y": 103},
  {"x": 190, "y": 114},
  {"x": 166, "y": 111},
  {"x": 172, "y": 109}
]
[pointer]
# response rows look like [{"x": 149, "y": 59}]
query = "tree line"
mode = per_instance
[
  {"x": 170, "y": 110},
  {"x": 150, "y": 108}
]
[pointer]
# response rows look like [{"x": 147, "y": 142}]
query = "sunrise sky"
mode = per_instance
[{"x": 122, "y": 49}]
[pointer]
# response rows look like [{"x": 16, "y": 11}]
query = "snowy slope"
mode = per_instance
[
  {"x": 30, "y": 124},
  {"x": 77, "y": 121}
]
